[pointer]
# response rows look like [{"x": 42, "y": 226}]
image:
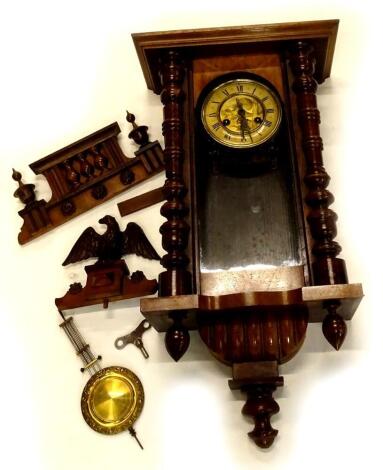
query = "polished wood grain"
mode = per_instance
[
  {"x": 195, "y": 42},
  {"x": 266, "y": 63},
  {"x": 257, "y": 335},
  {"x": 134, "y": 204}
]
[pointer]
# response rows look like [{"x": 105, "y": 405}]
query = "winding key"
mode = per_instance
[{"x": 135, "y": 337}]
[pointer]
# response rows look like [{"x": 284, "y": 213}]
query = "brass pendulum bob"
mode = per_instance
[{"x": 113, "y": 397}]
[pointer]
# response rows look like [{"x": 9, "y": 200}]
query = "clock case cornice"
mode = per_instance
[{"x": 193, "y": 42}]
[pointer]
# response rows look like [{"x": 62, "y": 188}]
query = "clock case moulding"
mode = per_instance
[{"x": 252, "y": 320}]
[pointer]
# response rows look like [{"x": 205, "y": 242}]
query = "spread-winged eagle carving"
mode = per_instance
[{"x": 113, "y": 244}]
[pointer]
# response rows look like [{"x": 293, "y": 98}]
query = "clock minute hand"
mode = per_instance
[
  {"x": 241, "y": 118},
  {"x": 243, "y": 121}
]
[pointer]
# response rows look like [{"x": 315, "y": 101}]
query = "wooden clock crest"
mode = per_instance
[{"x": 249, "y": 234}]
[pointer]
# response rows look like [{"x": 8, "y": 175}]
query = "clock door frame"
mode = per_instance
[{"x": 268, "y": 64}]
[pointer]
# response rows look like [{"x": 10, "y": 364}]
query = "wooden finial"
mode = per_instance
[
  {"x": 260, "y": 405},
  {"x": 25, "y": 192},
  {"x": 139, "y": 133},
  {"x": 16, "y": 175},
  {"x": 177, "y": 339},
  {"x": 334, "y": 327},
  {"x": 131, "y": 118}
]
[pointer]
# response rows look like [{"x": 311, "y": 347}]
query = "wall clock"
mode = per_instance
[{"x": 249, "y": 234}]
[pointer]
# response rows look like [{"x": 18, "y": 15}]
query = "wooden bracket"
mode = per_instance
[{"x": 107, "y": 282}]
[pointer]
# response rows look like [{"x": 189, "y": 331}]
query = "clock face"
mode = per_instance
[{"x": 241, "y": 113}]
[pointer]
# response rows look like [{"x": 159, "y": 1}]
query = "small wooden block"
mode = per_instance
[{"x": 140, "y": 202}]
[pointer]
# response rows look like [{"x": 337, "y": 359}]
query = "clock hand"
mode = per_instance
[
  {"x": 244, "y": 125},
  {"x": 259, "y": 111}
]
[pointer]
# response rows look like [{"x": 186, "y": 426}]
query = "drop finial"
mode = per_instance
[{"x": 334, "y": 327}]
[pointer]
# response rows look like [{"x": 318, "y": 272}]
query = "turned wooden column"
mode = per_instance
[
  {"x": 326, "y": 268},
  {"x": 176, "y": 280}
]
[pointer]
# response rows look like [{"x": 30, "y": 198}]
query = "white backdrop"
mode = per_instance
[{"x": 69, "y": 68}]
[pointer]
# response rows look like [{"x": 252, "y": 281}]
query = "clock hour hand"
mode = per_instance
[{"x": 244, "y": 125}]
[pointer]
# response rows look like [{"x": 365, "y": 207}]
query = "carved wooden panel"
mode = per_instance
[
  {"x": 81, "y": 176},
  {"x": 106, "y": 283},
  {"x": 246, "y": 336}
]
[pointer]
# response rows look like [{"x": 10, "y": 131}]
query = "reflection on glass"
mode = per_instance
[{"x": 246, "y": 215}]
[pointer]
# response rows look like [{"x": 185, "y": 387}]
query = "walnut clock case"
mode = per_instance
[{"x": 249, "y": 235}]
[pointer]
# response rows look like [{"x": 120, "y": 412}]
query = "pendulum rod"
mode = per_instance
[
  {"x": 133, "y": 433},
  {"x": 91, "y": 363}
]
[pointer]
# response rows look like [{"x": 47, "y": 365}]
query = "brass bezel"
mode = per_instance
[{"x": 240, "y": 145}]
